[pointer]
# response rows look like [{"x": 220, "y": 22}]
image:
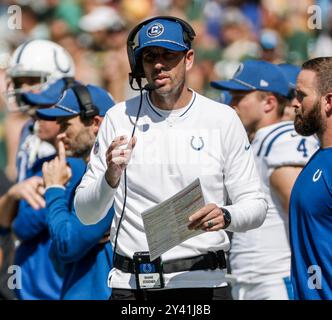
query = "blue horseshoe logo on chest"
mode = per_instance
[
  {"x": 317, "y": 175},
  {"x": 199, "y": 146}
]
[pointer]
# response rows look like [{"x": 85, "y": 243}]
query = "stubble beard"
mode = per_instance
[
  {"x": 168, "y": 94},
  {"x": 81, "y": 146}
]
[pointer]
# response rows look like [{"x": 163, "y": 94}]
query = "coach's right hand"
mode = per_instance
[{"x": 117, "y": 159}]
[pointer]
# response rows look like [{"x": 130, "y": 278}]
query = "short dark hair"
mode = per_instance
[{"x": 322, "y": 67}]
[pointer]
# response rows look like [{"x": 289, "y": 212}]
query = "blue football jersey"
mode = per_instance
[{"x": 311, "y": 229}]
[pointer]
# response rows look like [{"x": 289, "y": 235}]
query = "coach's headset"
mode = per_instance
[
  {"x": 136, "y": 66},
  {"x": 87, "y": 108}
]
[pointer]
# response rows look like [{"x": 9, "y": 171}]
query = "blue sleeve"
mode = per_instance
[
  {"x": 71, "y": 240},
  {"x": 29, "y": 222}
]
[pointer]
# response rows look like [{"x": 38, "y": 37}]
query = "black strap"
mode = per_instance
[
  {"x": 69, "y": 82},
  {"x": 209, "y": 261},
  {"x": 88, "y": 109}
]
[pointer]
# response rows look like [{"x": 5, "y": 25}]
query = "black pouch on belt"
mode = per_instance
[{"x": 148, "y": 274}]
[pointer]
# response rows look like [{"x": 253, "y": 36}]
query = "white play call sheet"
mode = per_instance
[{"x": 166, "y": 224}]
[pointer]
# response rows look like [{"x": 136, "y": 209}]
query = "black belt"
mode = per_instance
[{"x": 209, "y": 261}]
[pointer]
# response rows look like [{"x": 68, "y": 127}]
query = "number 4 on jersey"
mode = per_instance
[{"x": 302, "y": 148}]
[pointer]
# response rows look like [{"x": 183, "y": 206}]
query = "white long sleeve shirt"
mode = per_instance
[{"x": 204, "y": 139}]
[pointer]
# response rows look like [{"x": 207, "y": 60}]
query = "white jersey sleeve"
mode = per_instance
[
  {"x": 242, "y": 181},
  {"x": 288, "y": 149}
]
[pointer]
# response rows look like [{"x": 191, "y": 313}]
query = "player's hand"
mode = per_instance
[
  {"x": 57, "y": 171},
  {"x": 118, "y": 158},
  {"x": 208, "y": 218},
  {"x": 31, "y": 190}
]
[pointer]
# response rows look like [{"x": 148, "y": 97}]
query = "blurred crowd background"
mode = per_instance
[{"x": 228, "y": 31}]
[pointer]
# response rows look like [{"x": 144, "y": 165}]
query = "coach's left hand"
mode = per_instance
[{"x": 208, "y": 218}]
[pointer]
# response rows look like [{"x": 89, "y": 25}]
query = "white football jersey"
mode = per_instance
[
  {"x": 264, "y": 253},
  {"x": 31, "y": 149}
]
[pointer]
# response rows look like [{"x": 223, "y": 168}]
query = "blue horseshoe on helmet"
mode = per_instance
[{"x": 64, "y": 70}]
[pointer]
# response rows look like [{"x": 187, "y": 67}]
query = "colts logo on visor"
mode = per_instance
[{"x": 155, "y": 30}]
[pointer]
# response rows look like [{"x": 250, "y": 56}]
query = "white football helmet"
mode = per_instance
[{"x": 42, "y": 59}]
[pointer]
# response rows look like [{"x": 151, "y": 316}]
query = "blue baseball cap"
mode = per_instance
[
  {"x": 48, "y": 96},
  {"x": 256, "y": 75},
  {"x": 161, "y": 33},
  {"x": 69, "y": 105},
  {"x": 291, "y": 71}
]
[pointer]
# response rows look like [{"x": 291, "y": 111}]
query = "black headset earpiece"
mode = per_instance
[
  {"x": 88, "y": 109},
  {"x": 137, "y": 72}
]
